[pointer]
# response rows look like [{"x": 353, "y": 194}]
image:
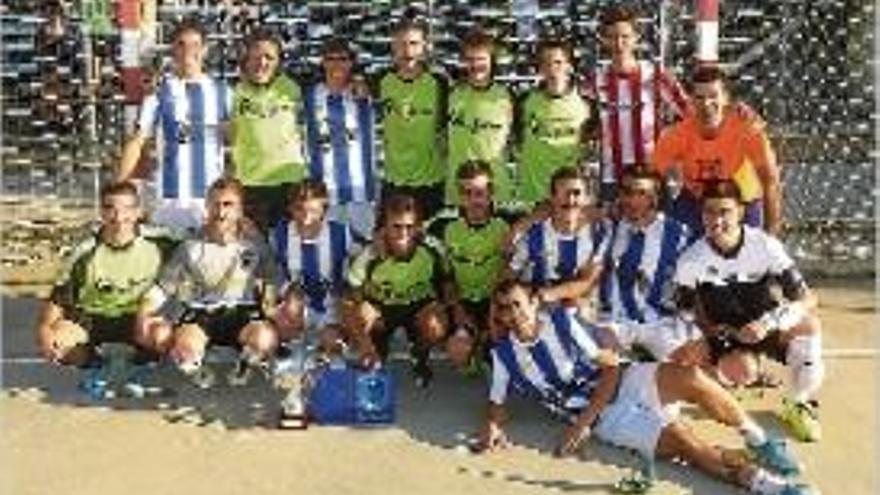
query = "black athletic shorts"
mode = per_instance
[
  {"x": 397, "y": 316},
  {"x": 103, "y": 329},
  {"x": 224, "y": 324}
]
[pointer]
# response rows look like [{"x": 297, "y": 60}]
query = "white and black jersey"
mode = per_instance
[{"x": 735, "y": 288}]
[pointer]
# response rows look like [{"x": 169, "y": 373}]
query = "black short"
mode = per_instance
[
  {"x": 771, "y": 346},
  {"x": 105, "y": 330},
  {"x": 223, "y": 325},
  {"x": 430, "y": 197},
  {"x": 266, "y": 205},
  {"x": 398, "y": 316}
]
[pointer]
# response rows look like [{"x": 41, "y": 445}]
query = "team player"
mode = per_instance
[
  {"x": 632, "y": 98},
  {"x": 95, "y": 299},
  {"x": 397, "y": 281},
  {"x": 549, "y": 355},
  {"x": 475, "y": 251},
  {"x": 267, "y": 124},
  {"x": 480, "y": 118},
  {"x": 186, "y": 117},
  {"x": 340, "y": 138},
  {"x": 561, "y": 255},
  {"x": 412, "y": 102},
  {"x": 311, "y": 251},
  {"x": 635, "y": 289},
  {"x": 218, "y": 288},
  {"x": 644, "y": 246},
  {"x": 552, "y": 123},
  {"x": 727, "y": 280},
  {"x": 719, "y": 141}
]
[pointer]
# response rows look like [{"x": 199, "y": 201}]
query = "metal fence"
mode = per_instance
[{"x": 806, "y": 66}]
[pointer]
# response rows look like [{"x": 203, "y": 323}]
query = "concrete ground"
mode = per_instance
[{"x": 217, "y": 442}]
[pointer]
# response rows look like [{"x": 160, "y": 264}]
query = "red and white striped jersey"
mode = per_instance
[{"x": 631, "y": 111}]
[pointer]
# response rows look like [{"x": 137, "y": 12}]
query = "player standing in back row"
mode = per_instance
[
  {"x": 632, "y": 98},
  {"x": 186, "y": 116}
]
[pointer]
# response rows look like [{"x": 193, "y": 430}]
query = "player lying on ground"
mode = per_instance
[{"x": 549, "y": 355}]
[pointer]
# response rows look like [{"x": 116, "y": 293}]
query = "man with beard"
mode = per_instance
[{"x": 396, "y": 282}]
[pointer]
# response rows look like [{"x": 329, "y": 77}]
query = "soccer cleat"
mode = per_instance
[
  {"x": 200, "y": 375},
  {"x": 95, "y": 383},
  {"x": 802, "y": 420},
  {"x": 240, "y": 374},
  {"x": 424, "y": 375},
  {"x": 139, "y": 384},
  {"x": 135, "y": 383},
  {"x": 775, "y": 455},
  {"x": 798, "y": 489}
]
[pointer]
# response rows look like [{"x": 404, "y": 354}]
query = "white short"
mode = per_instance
[
  {"x": 636, "y": 417},
  {"x": 661, "y": 337}
]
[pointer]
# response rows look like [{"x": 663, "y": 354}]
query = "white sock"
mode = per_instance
[
  {"x": 764, "y": 483},
  {"x": 752, "y": 432},
  {"x": 804, "y": 358}
]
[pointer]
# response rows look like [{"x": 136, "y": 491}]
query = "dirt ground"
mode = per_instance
[{"x": 55, "y": 441}]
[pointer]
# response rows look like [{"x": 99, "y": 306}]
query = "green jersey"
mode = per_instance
[
  {"x": 412, "y": 119},
  {"x": 551, "y": 129},
  {"x": 108, "y": 281},
  {"x": 267, "y": 133},
  {"x": 397, "y": 282},
  {"x": 475, "y": 257},
  {"x": 480, "y": 122}
]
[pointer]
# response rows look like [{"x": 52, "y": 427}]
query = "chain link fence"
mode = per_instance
[{"x": 805, "y": 66}]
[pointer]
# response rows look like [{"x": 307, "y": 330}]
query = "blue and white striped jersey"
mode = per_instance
[
  {"x": 638, "y": 269},
  {"x": 557, "y": 368},
  {"x": 185, "y": 116},
  {"x": 543, "y": 255},
  {"x": 340, "y": 137},
  {"x": 316, "y": 265}
]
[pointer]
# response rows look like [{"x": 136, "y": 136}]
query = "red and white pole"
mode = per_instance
[
  {"x": 131, "y": 70},
  {"x": 707, "y": 32}
]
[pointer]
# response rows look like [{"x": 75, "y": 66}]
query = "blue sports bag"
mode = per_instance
[{"x": 346, "y": 395}]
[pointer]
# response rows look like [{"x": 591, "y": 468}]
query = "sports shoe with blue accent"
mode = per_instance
[
  {"x": 94, "y": 382},
  {"x": 137, "y": 382},
  {"x": 798, "y": 489},
  {"x": 775, "y": 455}
]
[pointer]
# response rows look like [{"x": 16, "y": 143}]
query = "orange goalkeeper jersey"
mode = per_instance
[{"x": 739, "y": 151}]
